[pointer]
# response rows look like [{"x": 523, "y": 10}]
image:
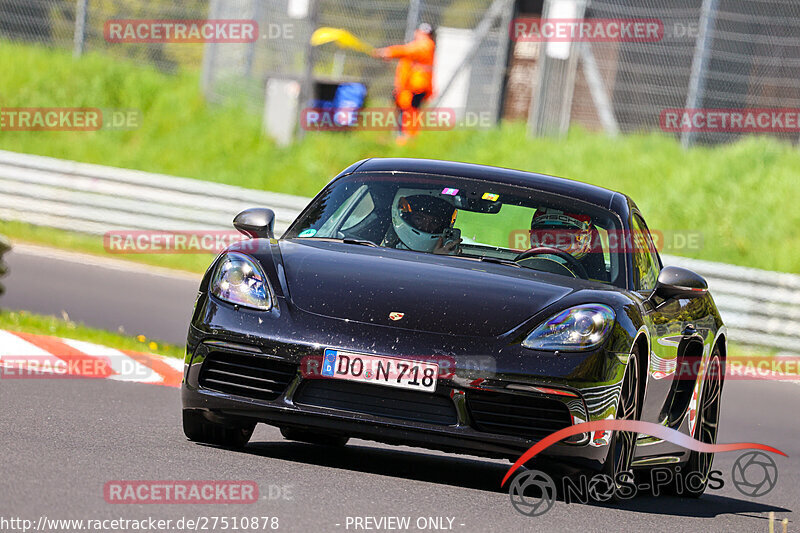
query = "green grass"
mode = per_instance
[
  {"x": 93, "y": 244},
  {"x": 26, "y": 322},
  {"x": 741, "y": 198}
]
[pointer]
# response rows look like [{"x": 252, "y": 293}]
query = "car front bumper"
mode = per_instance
[{"x": 460, "y": 431}]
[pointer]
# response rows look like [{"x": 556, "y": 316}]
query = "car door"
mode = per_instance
[{"x": 663, "y": 320}]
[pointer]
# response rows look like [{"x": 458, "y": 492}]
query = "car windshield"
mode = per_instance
[{"x": 468, "y": 218}]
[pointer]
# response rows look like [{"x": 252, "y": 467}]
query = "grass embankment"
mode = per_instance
[
  {"x": 26, "y": 322},
  {"x": 742, "y": 198}
]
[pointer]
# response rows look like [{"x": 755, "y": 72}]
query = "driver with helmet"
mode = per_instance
[
  {"x": 571, "y": 233},
  {"x": 420, "y": 219}
]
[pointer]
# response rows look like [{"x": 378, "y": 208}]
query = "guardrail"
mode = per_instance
[
  {"x": 760, "y": 308},
  {"x": 96, "y": 199}
]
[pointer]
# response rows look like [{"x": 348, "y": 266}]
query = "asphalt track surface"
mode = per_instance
[
  {"x": 103, "y": 293},
  {"x": 62, "y": 440}
]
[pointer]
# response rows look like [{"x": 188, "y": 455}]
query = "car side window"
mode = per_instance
[
  {"x": 645, "y": 262},
  {"x": 345, "y": 210},
  {"x": 360, "y": 212}
]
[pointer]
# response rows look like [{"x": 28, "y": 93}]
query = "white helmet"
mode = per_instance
[{"x": 420, "y": 216}]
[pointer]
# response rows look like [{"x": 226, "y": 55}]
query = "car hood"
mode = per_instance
[{"x": 434, "y": 294}]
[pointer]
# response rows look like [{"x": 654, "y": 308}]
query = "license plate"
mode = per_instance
[{"x": 380, "y": 370}]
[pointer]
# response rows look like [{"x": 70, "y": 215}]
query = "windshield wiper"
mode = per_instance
[
  {"x": 499, "y": 261},
  {"x": 362, "y": 242}
]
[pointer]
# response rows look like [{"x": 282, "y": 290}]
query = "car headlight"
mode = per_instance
[
  {"x": 582, "y": 327},
  {"x": 239, "y": 280}
]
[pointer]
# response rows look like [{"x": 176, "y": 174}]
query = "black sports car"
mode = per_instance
[{"x": 459, "y": 307}]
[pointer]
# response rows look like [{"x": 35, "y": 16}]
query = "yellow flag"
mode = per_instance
[{"x": 342, "y": 38}]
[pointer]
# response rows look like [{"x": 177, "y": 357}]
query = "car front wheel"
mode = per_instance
[
  {"x": 622, "y": 445},
  {"x": 706, "y": 426}
]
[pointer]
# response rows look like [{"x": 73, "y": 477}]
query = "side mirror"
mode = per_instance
[
  {"x": 256, "y": 222},
  {"x": 676, "y": 282}
]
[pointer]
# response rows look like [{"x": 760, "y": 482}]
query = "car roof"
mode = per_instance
[{"x": 583, "y": 191}]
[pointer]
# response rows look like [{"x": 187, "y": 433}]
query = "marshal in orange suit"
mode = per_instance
[{"x": 413, "y": 78}]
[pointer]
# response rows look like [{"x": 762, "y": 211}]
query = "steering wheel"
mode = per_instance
[{"x": 571, "y": 261}]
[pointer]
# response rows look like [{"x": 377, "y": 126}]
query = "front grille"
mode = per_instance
[
  {"x": 520, "y": 415},
  {"x": 378, "y": 401},
  {"x": 250, "y": 375}
]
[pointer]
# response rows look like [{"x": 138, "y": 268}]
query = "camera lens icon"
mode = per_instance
[
  {"x": 532, "y": 493},
  {"x": 754, "y": 474}
]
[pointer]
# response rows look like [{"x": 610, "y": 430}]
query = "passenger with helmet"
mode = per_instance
[{"x": 420, "y": 221}]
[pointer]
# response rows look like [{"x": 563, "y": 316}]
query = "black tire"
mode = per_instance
[
  {"x": 199, "y": 429},
  {"x": 707, "y": 425},
  {"x": 311, "y": 437},
  {"x": 622, "y": 446}
]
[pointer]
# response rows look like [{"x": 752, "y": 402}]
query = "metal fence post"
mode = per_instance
[
  {"x": 501, "y": 62},
  {"x": 551, "y": 101},
  {"x": 697, "y": 80},
  {"x": 258, "y": 16},
  {"x": 479, "y": 34},
  {"x": 307, "y": 83},
  {"x": 209, "y": 54},
  {"x": 597, "y": 88},
  {"x": 413, "y": 18},
  {"x": 79, "y": 40}
]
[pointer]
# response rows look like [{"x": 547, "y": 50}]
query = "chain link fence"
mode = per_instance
[
  {"x": 472, "y": 41},
  {"x": 713, "y": 55},
  {"x": 79, "y": 24}
]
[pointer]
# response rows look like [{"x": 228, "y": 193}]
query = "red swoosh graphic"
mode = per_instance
[{"x": 637, "y": 426}]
